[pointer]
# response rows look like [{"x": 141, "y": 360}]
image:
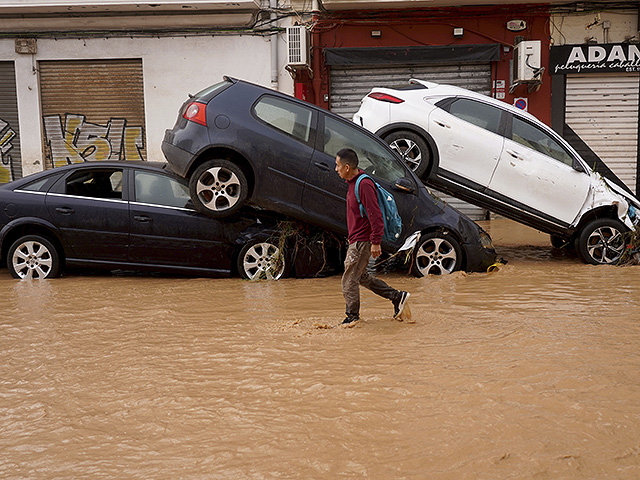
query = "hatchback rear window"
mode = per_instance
[
  {"x": 213, "y": 89},
  {"x": 288, "y": 117}
]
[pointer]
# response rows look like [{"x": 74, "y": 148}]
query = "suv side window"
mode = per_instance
[
  {"x": 372, "y": 157},
  {"x": 288, "y": 117},
  {"x": 98, "y": 183},
  {"x": 533, "y": 137},
  {"x": 480, "y": 114}
]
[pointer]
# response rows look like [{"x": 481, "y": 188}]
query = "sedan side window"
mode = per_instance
[
  {"x": 288, "y": 117},
  {"x": 160, "y": 190},
  {"x": 373, "y": 158},
  {"x": 98, "y": 183},
  {"x": 531, "y": 136},
  {"x": 480, "y": 114}
]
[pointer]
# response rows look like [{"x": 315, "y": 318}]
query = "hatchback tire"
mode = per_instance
[
  {"x": 262, "y": 260},
  {"x": 33, "y": 257},
  {"x": 413, "y": 150},
  {"x": 602, "y": 241},
  {"x": 437, "y": 253},
  {"x": 218, "y": 188}
]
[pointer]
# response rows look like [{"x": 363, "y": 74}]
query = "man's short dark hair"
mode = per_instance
[{"x": 348, "y": 156}]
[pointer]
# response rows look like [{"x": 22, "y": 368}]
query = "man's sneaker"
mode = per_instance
[
  {"x": 350, "y": 321},
  {"x": 399, "y": 303}
]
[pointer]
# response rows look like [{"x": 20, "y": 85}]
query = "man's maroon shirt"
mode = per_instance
[{"x": 369, "y": 227}]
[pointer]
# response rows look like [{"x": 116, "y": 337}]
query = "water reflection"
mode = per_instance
[{"x": 528, "y": 372}]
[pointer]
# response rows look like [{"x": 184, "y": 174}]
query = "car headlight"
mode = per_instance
[{"x": 485, "y": 240}]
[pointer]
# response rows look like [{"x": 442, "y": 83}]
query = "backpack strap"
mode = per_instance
[{"x": 357, "y": 191}]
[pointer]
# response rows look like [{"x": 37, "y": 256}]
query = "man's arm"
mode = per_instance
[{"x": 369, "y": 198}]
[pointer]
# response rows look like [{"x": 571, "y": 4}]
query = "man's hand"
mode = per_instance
[{"x": 376, "y": 251}]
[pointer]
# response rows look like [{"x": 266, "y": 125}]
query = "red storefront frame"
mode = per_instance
[{"x": 432, "y": 27}]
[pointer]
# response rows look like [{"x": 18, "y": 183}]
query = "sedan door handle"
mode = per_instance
[
  {"x": 513, "y": 154},
  {"x": 65, "y": 210},
  {"x": 442, "y": 124},
  {"x": 142, "y": 218},
  {"x": 322, "y": 166}
]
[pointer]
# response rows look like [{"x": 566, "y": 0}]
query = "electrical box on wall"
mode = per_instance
[
  {"x": 526, "y": 61},
  {"x": 298, "y": 53}
]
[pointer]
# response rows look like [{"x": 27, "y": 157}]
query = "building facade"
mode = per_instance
[
  {"x": 358, "y": 45},
  {"x": 89, "y": 80},
  {"x": 93, "y": 79}
]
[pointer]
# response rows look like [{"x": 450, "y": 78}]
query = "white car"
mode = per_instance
[{"x": 501, "y": 158}]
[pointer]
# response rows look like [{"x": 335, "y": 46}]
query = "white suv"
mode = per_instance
[{"x": 501, "y": 158}]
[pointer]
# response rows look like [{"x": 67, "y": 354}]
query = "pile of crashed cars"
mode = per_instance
[{"x": 250, "y": 189}]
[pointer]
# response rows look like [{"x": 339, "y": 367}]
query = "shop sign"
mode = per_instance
[{"x": 589, "y": 58}]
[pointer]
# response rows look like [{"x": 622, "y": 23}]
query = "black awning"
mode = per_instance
[{"x": 431, "y": 55}]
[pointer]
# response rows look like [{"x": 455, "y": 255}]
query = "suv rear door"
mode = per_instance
[
  {"x": 536, "y": 172},
  {"x": 469, "y": 138}
]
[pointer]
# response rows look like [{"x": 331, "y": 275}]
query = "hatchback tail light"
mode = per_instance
[
  {"x": 196, "y": 112},
  {"x": 384, "y": 97}
]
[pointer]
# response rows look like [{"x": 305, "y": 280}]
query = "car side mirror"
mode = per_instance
[
  {"x": 405, "y": 185},
  {"x": 577, "y": 166}
]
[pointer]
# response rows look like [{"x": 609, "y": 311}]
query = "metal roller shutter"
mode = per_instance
[
  {"x": 10, "y": 157},
  {"x": 603, "y": 111},
  {"x": 349, "y": 84},
  {"x": 92, "y": 110}
]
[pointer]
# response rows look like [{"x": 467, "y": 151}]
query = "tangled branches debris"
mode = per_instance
[
  {"x": 631, "y": 254},
  {"x": 313, "y": 252}
]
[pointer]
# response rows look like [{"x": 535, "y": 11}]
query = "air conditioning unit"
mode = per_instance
[
  {"x": 298, "y": 46},
  {"x": 526, "y": 61}
]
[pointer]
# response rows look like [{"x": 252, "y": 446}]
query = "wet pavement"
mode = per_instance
[{"x": 528, "y": 372}]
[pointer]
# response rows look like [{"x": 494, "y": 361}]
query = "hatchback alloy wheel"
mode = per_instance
[
  {"x": 218, "y": 188},
  {"x": 437, "y": 254}
]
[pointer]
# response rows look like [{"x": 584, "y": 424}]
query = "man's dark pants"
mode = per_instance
[{"x": 355, "y": 274}]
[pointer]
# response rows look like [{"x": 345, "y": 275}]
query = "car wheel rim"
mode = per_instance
[
  {"x": 32, "y": 260},
  {"x": 605, "y": 245},
  {"x": 436, "y": 257},
  {"x": 409, "y": 151},
  {"x": 218, "y": 189},
  {"x": 263, "y": 261}
]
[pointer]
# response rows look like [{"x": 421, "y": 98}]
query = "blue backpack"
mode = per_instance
[{"x": 390, "y": 216}]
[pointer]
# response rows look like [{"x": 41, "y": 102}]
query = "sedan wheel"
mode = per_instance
[
  {"x": 218, "y": 188},
  {"x": 602, "y": 242},
  {"x": 261, "y": 260},
  {"x": 33, "y": 257},
  {"x": 437, "y": 254},
  {"x": 412, "y": 149}
]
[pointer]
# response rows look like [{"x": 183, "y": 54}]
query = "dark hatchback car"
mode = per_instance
[
  {"x": 129, "y": 216},
  {"x": 240, "y": 143}
]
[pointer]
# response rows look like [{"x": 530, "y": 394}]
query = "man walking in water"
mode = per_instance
[{"x": 365, "y": 235}]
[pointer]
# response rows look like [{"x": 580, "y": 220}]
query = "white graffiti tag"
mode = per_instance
[
  {"x": 80, "y": 141},
  {"x": 6, "y": 162}
]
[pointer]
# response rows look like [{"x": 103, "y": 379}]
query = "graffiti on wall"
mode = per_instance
[
  {"x": 74, "y": 140},
  {"x": 6, "y": 162}
]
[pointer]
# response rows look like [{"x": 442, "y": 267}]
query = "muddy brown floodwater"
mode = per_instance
[{"x": 529, "y": 372}]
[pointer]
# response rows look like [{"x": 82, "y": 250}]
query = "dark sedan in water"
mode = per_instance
[
  {"x": 130, "y": 216},
  {"x": 244, "y": 144}
]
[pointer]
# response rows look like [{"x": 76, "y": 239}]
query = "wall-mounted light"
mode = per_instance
[
  {"x": 376, "y": 33},
  {"x": 458, "y": 32}
]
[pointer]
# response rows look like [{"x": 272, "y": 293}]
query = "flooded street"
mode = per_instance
[{"x": 532, "y": 371}]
